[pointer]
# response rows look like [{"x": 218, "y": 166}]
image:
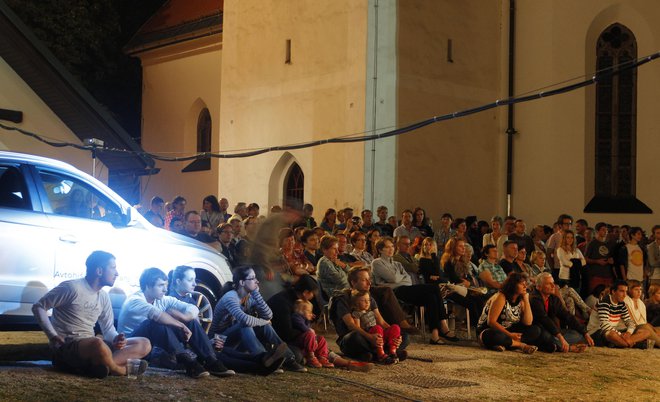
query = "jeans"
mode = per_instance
[
  {"x": 255, "y": 340},
  {"x": 172, "y": 340}
]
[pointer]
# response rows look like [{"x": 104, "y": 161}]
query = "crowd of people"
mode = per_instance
[{"x": 552, "y": 289}]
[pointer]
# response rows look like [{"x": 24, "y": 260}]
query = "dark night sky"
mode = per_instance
[{"x": 87, "y": 36}]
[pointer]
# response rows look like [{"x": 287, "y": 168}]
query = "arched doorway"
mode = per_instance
[{"x": 294, "y": 187}]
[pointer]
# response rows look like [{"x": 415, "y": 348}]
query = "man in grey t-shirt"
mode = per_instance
[{"x": 77, "y": 305}]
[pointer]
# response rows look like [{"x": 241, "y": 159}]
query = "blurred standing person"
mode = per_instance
[{"x": 306, "y": 220}]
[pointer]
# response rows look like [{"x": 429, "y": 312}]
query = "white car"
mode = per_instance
[{"x": 52, "y": 216}]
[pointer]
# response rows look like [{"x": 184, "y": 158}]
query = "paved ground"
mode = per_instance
[{"x": 456, "y": 372}]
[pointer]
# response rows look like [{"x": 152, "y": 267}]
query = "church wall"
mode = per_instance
[
  {"x": 450, "y": 166},
  {"x": 178, "y": 82},
  {"x": 554, "y": 150},
  {"x": 320, "y": 94}
]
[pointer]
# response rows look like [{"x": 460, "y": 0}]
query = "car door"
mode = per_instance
[
  {"x": 84, "y": 220},
  {"x": 26, "y": 244}
]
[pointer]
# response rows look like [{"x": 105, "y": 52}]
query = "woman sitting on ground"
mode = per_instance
[
  {"x": 637, "y": 310},
  {"x": 653, "y": 305},
  {"x": 506, "y": 322},
  {"x": 182, "y": 281},
  {"x": 243, "y": 317}
]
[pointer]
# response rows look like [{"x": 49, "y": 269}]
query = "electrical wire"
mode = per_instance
[{"x": 526, "y": 97}]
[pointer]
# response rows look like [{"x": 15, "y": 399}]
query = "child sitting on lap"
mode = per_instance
[
  {"x": 314, "y": 347},
  {"x": 366, "y": 319}
]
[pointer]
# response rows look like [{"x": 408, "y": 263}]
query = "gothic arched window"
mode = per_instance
[{"x": 616, "y": 123}]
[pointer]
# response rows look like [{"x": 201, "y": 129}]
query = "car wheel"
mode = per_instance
[{"x": 205, "y": 300}]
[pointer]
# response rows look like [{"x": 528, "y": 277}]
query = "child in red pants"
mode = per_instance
[
  {"x": 365, "y": 318},
  {"x": 314, "y": 347}
]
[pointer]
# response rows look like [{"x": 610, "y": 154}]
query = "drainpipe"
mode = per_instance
[{"x": 510, "y": 130}]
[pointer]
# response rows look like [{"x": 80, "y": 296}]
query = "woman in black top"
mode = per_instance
[{"x": 421, "y": 222}]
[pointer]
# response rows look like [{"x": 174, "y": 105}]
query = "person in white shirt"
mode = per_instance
[
  {"x": 571, "y": 260},
  {"x": 632, "y": 258},
  {"x": 77, "y": 306},
  {"x": 637, "y": 311}
]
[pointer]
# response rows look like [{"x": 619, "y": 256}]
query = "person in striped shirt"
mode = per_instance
[{"x": 616, "y": 326}]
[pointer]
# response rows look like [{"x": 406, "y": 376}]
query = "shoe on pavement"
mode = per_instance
[
  {"x": 325, "y": 363},
  {"x": 196, "y": 370},
  {"x": 218, "y": 369},
  {"x": 294, "y": 366}
]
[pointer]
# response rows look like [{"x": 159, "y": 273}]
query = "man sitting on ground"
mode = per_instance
[
  {"x": 550, "y": 314},
  {"x": 77, "y": 306},
  {"x": 169, "y": 324},
  {"x": 353, "y": 340},
  {"x": 616, "y": 326}
]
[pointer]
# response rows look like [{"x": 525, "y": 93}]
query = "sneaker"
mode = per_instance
[
  {"x": 402, "y": 354},
  {"x": 196, "y": 370},
  {"x": 275, "y": 355},
  {"x": 312, "y": 361},
  {"x": 363, "y": 367},
  {"x": 325, "y": 363},
  {"x": 294, "y": 366},
  {"x": 160, "y": 358},
  {"x": 143, "y": 367},
  {"x": 273, "y": 368},
  {"x": 218, "y": 369}
]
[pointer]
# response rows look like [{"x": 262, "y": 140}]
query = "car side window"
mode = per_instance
[
  {"x": 71, "y": 197},
  {"x": 13, "y": 191}
]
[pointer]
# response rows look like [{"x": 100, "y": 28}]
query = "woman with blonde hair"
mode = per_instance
[
  {"x": 637, "y": 310},
  {"x": 537, "y": 260},
  {"x": 571, "y": 260},
  {"x": 429, "y": 263}
]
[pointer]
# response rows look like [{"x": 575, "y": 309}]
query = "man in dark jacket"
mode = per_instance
[{"x": 548, "y": 311}]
